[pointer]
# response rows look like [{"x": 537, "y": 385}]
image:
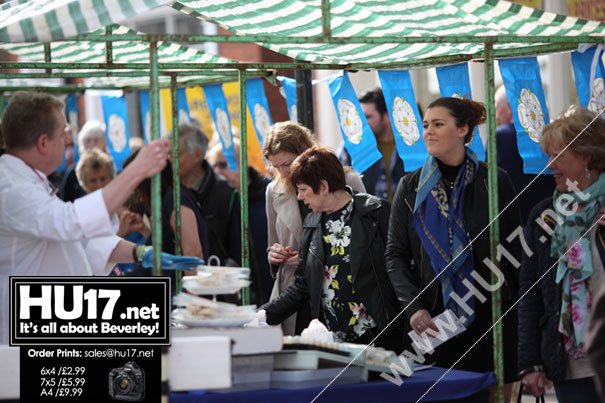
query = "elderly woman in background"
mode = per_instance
[
  {"x": 92, "y": 135},
  {"x": 341, "y": 276},
  {"x": 565, "y": 267},
  {"x": 95, "y": 169},
  {"x": 438, "y": 243},
  {"x": 284, "y": 142}
]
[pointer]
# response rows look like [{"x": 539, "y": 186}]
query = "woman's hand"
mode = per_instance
[
  {"x": 278, "y": 254},
  {"x": 534, "y": 381},
  {"x": 421, "y": 321}
]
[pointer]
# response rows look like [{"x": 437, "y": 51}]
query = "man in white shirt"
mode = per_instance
[{"x": 40, "y": 235}]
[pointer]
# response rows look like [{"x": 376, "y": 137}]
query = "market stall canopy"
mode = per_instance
[
  {"x": 351, "y": 31},
  {"x": 123, "y": 53},
  {"x": 394, "y": 30},
  {"x": 47, "y": 20}
]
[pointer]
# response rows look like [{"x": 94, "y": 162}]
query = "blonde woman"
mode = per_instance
[{"x": 284, "y": 142}]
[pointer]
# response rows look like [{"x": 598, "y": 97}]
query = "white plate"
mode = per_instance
[
  {"x": 199, "y": 289},
  {"x": 179, "y": 316}
]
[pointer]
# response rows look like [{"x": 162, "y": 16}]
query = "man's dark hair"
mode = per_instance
[
  {"x": 375, "y": 97},
  {"x": 28, "y": 115}
]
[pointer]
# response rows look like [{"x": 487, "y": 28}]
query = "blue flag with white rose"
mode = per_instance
[
  {"x": 454, "y": 82},
  {"x": 525, "y": 95},
  {"x": 289, "y": 86},
  {"x": 356, "y": 133},
  {"x": 259, "y": 108},
  {"x": 115, "y": 114},
  {"x": 590, "y": 95},
  {"x": 217, "y": 103},
  {"x": 182, "y": 106},
  {"x": 405, "y": 117}
]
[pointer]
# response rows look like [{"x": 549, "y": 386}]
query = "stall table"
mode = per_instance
[{"x": 456, "y": 386}]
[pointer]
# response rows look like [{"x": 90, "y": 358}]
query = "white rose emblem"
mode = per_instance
[
  {"x": 405, "y": 121},
  {"x": 350, "y": 122},
  {"x": 530, "y": 114},
  {"x": 117, "y": 133},
  {"x": 597, "y": 95},
  {"x": 183, "y": 116},
  {"x": 222, "y": 127},
  {"x": 261, "y": 117}
]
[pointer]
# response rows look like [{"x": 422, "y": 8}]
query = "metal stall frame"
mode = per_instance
[{"x": 540, "y": 45}]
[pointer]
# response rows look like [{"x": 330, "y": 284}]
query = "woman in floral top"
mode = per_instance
[
  {"x": 559, "y": 277},
  {"x": 341, "y": 273}
]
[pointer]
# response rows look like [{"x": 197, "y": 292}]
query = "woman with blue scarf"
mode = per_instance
[
  {"x": 439, "y": 237},
  {"x": 566, "y": 266}
]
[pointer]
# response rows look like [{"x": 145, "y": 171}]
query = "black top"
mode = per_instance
[{"x": 344, "y": 314}]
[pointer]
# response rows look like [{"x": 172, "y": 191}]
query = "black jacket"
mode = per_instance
[
  {"x": 370, "y": 281},
  {"x": 219, "y": 204},
  {"x": 540, "y": 342},
  {"x": 410, "y": 270}
]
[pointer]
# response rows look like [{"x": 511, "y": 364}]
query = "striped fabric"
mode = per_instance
[
  {"x": 381, "y": 18},
  {"x": 45, "y": 20},
  {"x": 123, "y": 52}
]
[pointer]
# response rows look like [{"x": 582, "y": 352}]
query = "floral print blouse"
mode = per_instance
[{"x": 343, "y": 313}]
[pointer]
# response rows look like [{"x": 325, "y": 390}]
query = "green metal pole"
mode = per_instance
[
  {"x": 156, "y": 191},
  {"x": 243, "y": 179},
  {"x": 304, "y": 98},
  {"x": 176, "y": 180},
  {"x": 109, "y": 45},
  {"x": 494, "y": 229},
  {"x": 326, "y": 28},
  {"x": 48, "y": 57}
]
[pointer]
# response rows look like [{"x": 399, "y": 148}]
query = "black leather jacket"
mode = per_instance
[
  {"x": 540, "y": 342},
  {"x": 370, "y": 281},
  {"x": 410, "y": 271},
  {"x": 408, "y": 264}
]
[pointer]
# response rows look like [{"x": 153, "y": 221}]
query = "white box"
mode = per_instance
[
  {"x": 9, "y": 372},
  {"x": 199, "y": 362}
]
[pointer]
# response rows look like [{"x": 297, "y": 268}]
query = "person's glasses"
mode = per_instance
[{"x": 220, "y": 165}]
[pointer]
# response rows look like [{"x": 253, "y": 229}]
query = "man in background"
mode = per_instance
[
  {"x": 217, "y": 200},
  {"x": 262, "y": 281}
]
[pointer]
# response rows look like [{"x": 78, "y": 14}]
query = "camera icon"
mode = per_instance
[{"x": 127, "y": 383}]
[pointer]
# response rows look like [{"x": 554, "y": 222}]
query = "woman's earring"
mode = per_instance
[{"x": 587, "y": 173}]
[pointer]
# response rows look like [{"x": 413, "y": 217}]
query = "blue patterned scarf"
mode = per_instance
[
  {"x": 575, "y": 267},
  {"x": 439, "y": 223}
]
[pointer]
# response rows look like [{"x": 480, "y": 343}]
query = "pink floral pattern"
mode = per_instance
[{"x": 576, "y": 256}]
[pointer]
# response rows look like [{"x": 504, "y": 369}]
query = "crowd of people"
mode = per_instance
[{"x": 373, "y": 257}]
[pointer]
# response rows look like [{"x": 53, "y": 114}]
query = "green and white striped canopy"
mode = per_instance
[
  {"x": 123, "y": 52},
  {"x": 47, "y": 20},
  {"x": 385, "y": 18},
  {"x": 284, "y": 25}
]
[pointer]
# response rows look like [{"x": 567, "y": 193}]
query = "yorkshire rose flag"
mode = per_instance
[
  {"x": 259, "y": 108},
  {"x": 525, "y": 95},
  {"x": 405, "y": 117},
  {"x": 356, "y": 133},
  {"x": 217, "y": 104}
]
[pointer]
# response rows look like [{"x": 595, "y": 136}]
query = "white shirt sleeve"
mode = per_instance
[
  {"x": 98, "y": 251},
  {"x": 37, "y": 214}
]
